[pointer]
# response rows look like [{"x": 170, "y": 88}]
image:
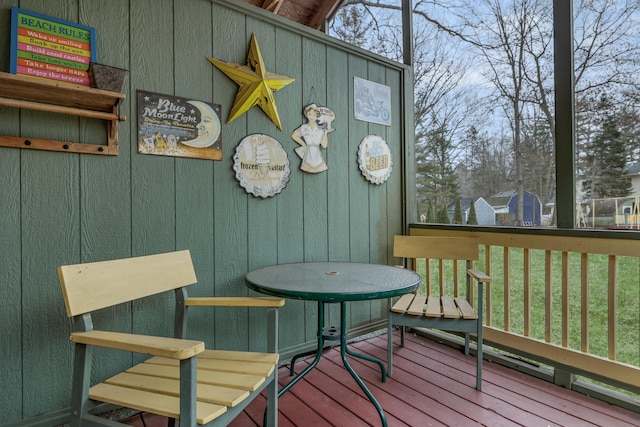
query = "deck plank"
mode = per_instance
[{"x": 433, "y": 385}]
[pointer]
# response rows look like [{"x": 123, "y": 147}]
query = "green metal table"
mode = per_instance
[{"x": 334, "y": 282}]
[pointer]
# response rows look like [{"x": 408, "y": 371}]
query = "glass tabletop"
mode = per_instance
[{"x": 333, "y": 281}]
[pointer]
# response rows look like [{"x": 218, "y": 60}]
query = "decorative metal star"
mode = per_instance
[{"x": 256, "y": 84}]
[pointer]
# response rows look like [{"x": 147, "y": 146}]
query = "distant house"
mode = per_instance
[
  {"x": 633, "y": 173},
  {"x": 484, "y": 212},
  {"x": 505, "y": 205}
]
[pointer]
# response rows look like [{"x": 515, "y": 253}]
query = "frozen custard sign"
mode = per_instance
[{"x": 261, "y": 165}]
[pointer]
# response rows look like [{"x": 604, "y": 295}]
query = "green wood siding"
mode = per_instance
[{"x": 63, "y": 208}]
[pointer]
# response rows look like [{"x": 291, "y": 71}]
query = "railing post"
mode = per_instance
[{"x": 563, "y": 378}]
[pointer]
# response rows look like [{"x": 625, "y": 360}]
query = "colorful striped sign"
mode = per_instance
[{"x": 50, "y": 48}]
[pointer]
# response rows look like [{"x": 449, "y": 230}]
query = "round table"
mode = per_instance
[{"x": 334, "y": 282}]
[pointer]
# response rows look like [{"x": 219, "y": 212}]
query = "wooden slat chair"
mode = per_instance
[
  {"x": 181, "y": 380},
  {"x": 449, "y": 313}
]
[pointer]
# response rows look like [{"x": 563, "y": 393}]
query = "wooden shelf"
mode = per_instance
[{"x": 62, "y": 98}]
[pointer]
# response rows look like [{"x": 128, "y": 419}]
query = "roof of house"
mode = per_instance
[
  {"x": 501, "y": 199},
  {"x": 465, "y": 204},
  {"x": 633, "y": 169},
  {"x": 311, "y": 13}
]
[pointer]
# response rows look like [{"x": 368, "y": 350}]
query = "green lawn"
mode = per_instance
[{"x": 628, "y": 300}]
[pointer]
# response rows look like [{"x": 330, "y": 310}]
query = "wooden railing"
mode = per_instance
[{"x": 549, "y": 287}]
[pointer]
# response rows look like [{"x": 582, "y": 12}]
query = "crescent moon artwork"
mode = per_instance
[
  {"x": 208, "y": 128},
  {"x": 180, "y": 127}
]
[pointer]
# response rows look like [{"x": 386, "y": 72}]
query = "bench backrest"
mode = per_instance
[
  {"x": 449, "y": 252},
  {"x": 428, "y": 247},
  {"x": 92, "y": 286}
]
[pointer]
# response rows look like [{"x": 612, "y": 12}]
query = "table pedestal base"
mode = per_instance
[{"x": 330, "y": 334}]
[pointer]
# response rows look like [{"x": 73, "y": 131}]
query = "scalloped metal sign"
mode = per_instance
[
  {"x": 261, "y": 165},
  {"x": 374, "y": 159}
]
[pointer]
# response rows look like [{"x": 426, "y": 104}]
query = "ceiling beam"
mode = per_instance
[{"x": 272, "y": 5}]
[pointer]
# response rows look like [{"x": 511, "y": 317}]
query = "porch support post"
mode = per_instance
[
  {"x": 407, "y": 32},
  {"x": 563, "y": 378},
  {"x": 565, "y": 209}
]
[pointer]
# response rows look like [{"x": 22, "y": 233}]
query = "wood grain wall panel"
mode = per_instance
[
  {"x": 262, "y": 213},
  {"x": 339, "y": 161},
  {"x": 230, "y": 43},
  {"x": 194, "y": 178},
  {"x": 10, "y": 250},
  {"x": 314, "y": 210},
  {"x": 395, "y": 198},
  {"x": 50, "y": 236},
  {"x": 290, "y": 218},
  {"x": 358, "y": 193},
  {"x": 378, "y": 215},
  {"x": 153, "y": 178},
  {"x": 10, "y": 277},
  {"x": 314, "y": 60},
  {"x": 378, "y": 193},
  {"x": 105, "y": 190}
]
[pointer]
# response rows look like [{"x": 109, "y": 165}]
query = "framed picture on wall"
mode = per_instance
[
  {"x": 50, "y": 48},
  {"x": 372, "y": 101}
]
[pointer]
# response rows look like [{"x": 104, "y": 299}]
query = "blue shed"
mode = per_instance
[{"x": 505, "y": 205}]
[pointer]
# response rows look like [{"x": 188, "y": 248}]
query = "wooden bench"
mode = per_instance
[
  {"x": 438, "y": 310},
  {"x": 181, "y": 380}
]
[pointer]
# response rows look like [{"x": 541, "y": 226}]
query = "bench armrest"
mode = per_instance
[
  {"x": 478, "y": 275},
  {"x": 173, "y": 348},
  {"x": 269, "y": 302}
]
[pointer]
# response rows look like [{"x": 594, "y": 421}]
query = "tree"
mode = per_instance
[
  {"x": 457, "y": 213},
  {"x": 436, "y": 179},
  {"x": 443, "y": 215},
  {"x": 504, "y": 36},
  {"x": 488, "y": 161},
  {"x": 353, "y": 25},
  {"x": 431, "y": 216},
  {"x": 473, "y": 218},
  {"x": 607, "y": 162}
]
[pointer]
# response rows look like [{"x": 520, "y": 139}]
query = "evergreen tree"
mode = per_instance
[
  {"x": 473, "y": 218},
  {"x": 607, "y": 162},
  {"x": 443, "y": 216},
  {"x": 431, "y": 217},
  {"x": 436, "y": 178},
  {"x": 457, "y": 213}
]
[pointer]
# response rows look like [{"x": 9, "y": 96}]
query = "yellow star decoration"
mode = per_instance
[{"x": 256, "y": 85}]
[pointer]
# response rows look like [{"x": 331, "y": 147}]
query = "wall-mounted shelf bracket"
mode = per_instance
[{"x": 62, "y": 98}]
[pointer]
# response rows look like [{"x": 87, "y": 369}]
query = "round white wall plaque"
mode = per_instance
[
  {"x": 374, "y": 159},
  {"x": 261, "y": 165}
]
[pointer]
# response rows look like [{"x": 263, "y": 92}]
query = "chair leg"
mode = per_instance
[
  {"x": 271, "y": 415},
  {"x": 389, "y": 346},
  {"x": 188, "y": 399},
  {"x": 466, "y": 344},
  {"x": 81, "y": 380},
  {"x": 479, "y": 359}
]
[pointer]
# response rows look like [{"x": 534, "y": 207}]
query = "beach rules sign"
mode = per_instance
[{"x": 50, "y": 48}]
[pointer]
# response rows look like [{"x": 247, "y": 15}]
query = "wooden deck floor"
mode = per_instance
[{"x": 433, "y": 385}]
